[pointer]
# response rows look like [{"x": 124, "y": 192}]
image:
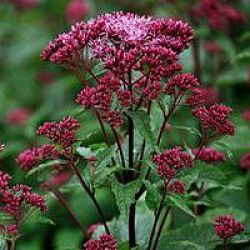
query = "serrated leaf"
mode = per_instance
[
  {"x": 181, "y": 203},
  {"x": 42, "y": 167},
  {"x": 189, "y": 237},
  {"x": 152, "y": 198},
  {"x": 85, "y": 152},
  {"x": 125, "y": 195},
  {"x": 142, "y": 125},
  {"x": 3, "y": 244},
  {"x": 36, "y": 216},
  {"x": 191, "y": 130},
  {"x": 209, "y": 215}
]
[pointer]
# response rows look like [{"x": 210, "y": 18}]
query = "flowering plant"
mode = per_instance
[{"x": 132, "y": 82}]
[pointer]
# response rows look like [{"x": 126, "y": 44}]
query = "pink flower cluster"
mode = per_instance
[
  {"x": 30, "y": 158},
  {"x": 169, "y": 163},
  {"x": 24, "y": 4},
  {"x": 76, "y": 10},
  {"x": 138, "y": 54},
  {"x": 202, "y": 96},
  {"x": 215, "y": 118},
  {"x": 14, "y": 199},
  {"x": 2, "y": 146},
  {"x": 245, "y": 161},
  {"x": 18, "y": 116},
  {"x": 208, "y": 154},
  {"x": 246, "y": 115},
  {"x": 63, "y": 132},
  {"x": 220, "y": 16},
  {"x": 226, "y": 226},
  {"x": 105, "y": 241},
  {"x": 180, "y": 83}
]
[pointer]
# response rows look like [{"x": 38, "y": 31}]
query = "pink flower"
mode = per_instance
[
  {"x": 45, "y": 77},
  {"x": 76, "y": 10},
  {"x": 215, "y": 118},
  {"x": 4, "y": 180},
  {"x": 113, "y": 118},
  {"x": 220, "y": 16},
  {"x": 169, "y": 163},
  {"x": 12, "y": 229},
  {"x": 245, "y": 161},
  {"x": 14, "y": 199},
  {"x": 105, "y": 242},
  {"x": 99, "y": 97},
  {"x": 18, "y": 116},
  {"x": 154, "y": 42},
  {"x": 181, "y": 83},
  {"x": 209, "y": 154},
  {"x": 226, "y": 226},
  {"x": 2, "y": 146},
  {"x": 203, "y": 96},
  {"x": 63, "y": 132},
  {"x": 212, "y": 47},
  {"x": 177, "y": 187},
  {"x": 25, "y": 4},
  {"x": 30, "y": 158},
  {"x": 246, "y": 115}
]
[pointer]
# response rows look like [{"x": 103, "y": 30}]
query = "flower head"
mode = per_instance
[
  {"x": 245, "y": 161},
  {"x": 246, "y": 115},
  {"x": 169, "y": 163},
  {"x": 63, "y": 132},
  {"x": 104, "y": 242},
  {"x": 215, "y": 118},
  {"x": 18, "y": 116},
  {"x": 181, "y": 83},
  {"x": 76, "y": 10},
  {"x": 220, "y": 16},
  {"x": 24, "y": 4},
  {"x": 202, "y": 96},
  {"x": 226, "y": 226},
  {"x": 30, "y": 158},
  {"x": 208, "y": 154}
]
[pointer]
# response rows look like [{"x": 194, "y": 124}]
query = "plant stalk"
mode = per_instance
[
  {"x": 160, "y": 228},
  {"x": 91, "y": 195}
]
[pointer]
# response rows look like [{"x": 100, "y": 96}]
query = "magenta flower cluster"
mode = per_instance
[
  {"x": 105, "y": 241},
  {"x": 208, "y": 154},
  {"x": 169, "y": 163},
  {"x": 139, "y": 55},
  {"x": 14, "y": 199},
  {"x": 226, "y": 226},
  {"x": 62, "y": 133},
  {"x": 215, "y": 118},
  {"x": 220, "y": 16},
  {"x": 31, "y": 158}
]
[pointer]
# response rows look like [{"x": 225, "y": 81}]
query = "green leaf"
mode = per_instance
[
  {"x": 209, "y": 215},
  {"x": 181, "y": 203},
  {"x": 36, "y": 216},
  {"x": 142, "y": 125},
  {"x": 42, "y": 167},
  {"x": 3, "y": 244},
  {"x": 124, "y": 246},
  {"x": 243, "y": 56},
  {"x": 68, "y": 239},
  {"x": 125, "y": 195},
  {"x": 191, "y": 130},
  {"x": 189, "y": 237},
  {"x": 85, "y": 152},
  {"x": 101, "y": 176},
  {"x": 153, "y": 195}
]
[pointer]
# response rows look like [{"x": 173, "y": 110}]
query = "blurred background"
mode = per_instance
[{"x": 33, "y": 91}]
